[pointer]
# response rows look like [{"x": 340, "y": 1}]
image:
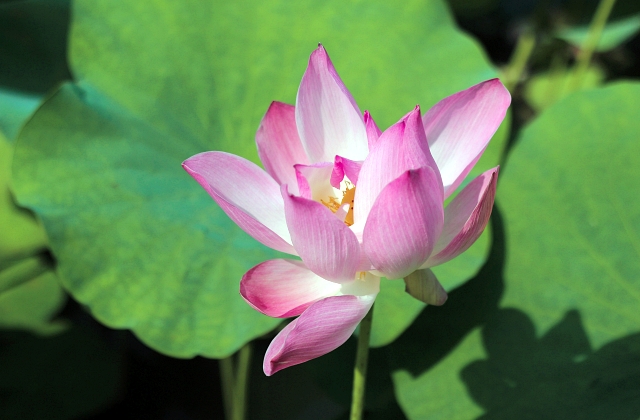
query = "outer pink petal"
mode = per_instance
[
  {"x": 284, "y": 288},
  {"x": 460, "y": 126},
  {"x": 325, "y": 244},
  {"x": 328, "y": 119},
  {"x": 323, "y": 327},
  {"x": 248, "y": 195},
  {"x": 400, "y": 148},
  {"x": 465, "y": 218},
  {"x": 279, "y": 146},
  {"x": 343, "y": 166},
  {"x": 404, "y": 223},
  {"x": 373, "y": 132}
]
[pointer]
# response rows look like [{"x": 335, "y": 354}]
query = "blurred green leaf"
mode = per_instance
[
  {"x": 614, "y": 33},
  {"x": 32, "y": 304},
  {"x": 569, "y": 346},
  {"x": 21, "y": 234},
  {"x": 137, "y": 240},
  {"x": 544, "y": 90},
  {"x": 14, "y": 273},
  {"x": 30, "y": 294}
]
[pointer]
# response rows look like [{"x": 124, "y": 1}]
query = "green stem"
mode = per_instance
[
  {"x": 360, "y": 371},
  {"x": 235, "y": 383},
  {"x": 591, "y": 42},
  {"x": 241, "y": 383},
  {"x": 557, "y": 80},
  {"x": 521, "y": 54},
  {"x": 227, "y": 381}
]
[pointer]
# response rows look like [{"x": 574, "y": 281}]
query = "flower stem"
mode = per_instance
[
  {"x": 360, "y": 370},
  {"x": 235, "y": 383},
  {"x": 591, "y": 42},
  {"x": 241, "y": 383},
  {"x": 519, "y": 59},
  {"x": 227, "y": 382}
]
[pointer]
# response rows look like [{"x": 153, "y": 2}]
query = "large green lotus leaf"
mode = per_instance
[
  {"x": 214, "y": 67},
  {"x": 134, "y": 237},
  {"x": 194, "y": 76},
  {"x": 565, "y": 342}
]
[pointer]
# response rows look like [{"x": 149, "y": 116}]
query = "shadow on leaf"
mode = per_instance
[
  {"x": 438, "y": 330},
  {"x": 557, "y": 376}
]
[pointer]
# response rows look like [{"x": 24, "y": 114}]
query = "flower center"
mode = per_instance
[{"x": 348, "y": 196}]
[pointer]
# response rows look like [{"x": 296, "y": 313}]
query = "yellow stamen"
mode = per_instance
[
  {"x": 348, "y": 197},
  {"x": 332, "y": 205}
]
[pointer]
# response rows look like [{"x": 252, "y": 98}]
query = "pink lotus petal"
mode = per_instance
[
  {"x": 400, "y": 148},
  {"x": 424, "y": 286},
  {"x": 284, "y": 288},
  {"x": 373, "y": 132},
  {"x": 322, "y": 328},
  {"x": 329, "y": 121},
  {"x": 404, "y": 223},
  {"x": 460, "y": 126},
  {"x": 246, "y": 193},
  {"x": 465, "y": 218},
  {"x": 314, "y": 180},
  {"x": 325, "y": 244},
  {"x": 279, "y": 146},
  {"x": 343, "y": 166}
]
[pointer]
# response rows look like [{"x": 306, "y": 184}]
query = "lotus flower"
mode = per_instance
[{"x": 353, "y": 203}]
